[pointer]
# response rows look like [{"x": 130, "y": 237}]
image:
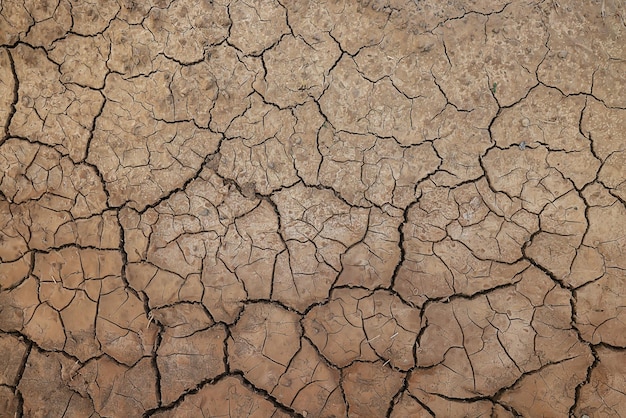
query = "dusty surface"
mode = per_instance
[{"x": 318, "y": 209}]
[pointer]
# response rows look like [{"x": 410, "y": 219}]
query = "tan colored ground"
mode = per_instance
[{"x": 304, "y": 208}]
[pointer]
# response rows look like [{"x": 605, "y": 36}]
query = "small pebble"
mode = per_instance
[
  {"x": 522, "y": 145},
  {"x": 562, "y": 54}
]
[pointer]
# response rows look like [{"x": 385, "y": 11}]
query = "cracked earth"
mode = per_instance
[{"x": 313, "y": 209}]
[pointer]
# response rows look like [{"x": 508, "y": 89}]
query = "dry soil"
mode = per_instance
[{"x": 312, "y": 208}]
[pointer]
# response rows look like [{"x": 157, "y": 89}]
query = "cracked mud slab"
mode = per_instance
[{"x": 281, "y": 208}]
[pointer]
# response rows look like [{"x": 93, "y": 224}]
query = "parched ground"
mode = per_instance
[{"x": 276, "y": 208}]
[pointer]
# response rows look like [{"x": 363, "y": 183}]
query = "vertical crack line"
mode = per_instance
[
  {"x": 16, "y": 87},
  {"x": 18, "y": 378},
  {"x": 20, "y": 371},
  {"x": 92, "y": 128},
  {"x": 401, "y": 240},
  {"x": 587, "y": 379},
  {"x": 396, "y": 398},
  {"x": 157, "y": 372},
  {"x": 122, "y": 248}
]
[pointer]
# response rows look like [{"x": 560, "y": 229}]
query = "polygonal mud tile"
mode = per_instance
[
  {"x": 185, "y": 362},
  {"x": 46, "y": 389},
  {"x": 603, "y": 394},
  {"x": 369, "y": 388},
  {"x": 263, "y": 342},
  {"x": 228, "y": 397}
]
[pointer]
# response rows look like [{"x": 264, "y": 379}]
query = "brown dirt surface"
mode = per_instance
[{"x": 317, "y": 208}]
